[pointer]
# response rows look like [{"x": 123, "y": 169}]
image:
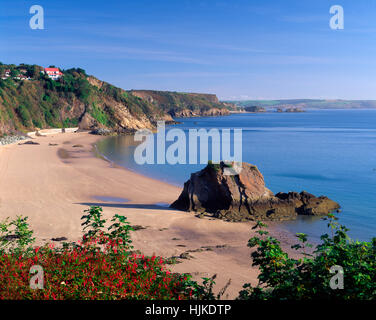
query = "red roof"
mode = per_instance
[{"x": 52, "y": 69}]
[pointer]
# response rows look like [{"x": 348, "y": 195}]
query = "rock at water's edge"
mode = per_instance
[{"x": 244, "y": 197}]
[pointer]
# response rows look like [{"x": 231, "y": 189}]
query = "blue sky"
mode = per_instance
[{"x": 236, "y": 49}]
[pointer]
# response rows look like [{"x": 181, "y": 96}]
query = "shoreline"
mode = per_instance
[{"x": 53, "y": 191}]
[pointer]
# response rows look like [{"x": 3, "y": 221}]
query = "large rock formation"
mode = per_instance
[{"x": 244, "y": 197}]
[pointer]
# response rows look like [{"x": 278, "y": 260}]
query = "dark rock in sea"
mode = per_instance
[
  {"x": 188, "y": 113},
  {"x": 244, "y": 197},
  {"x": 290, "y": 109},
  {"x": 296, "y": 109},
  {"x": 254, "y": 109}
]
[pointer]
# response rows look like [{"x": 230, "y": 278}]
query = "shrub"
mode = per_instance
[
  {"x": 83, "y": 89},
  {"x": 18, "y": 231},
  {"x": 284, "y": 278},
  {"x": 81, "y": 273},
  {"x": 99, "y": 267},
  {"x": 99, "y": 114}
]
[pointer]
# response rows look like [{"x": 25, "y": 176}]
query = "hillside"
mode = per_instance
[
  {"x": 308, "y": 104},
  {"x": 30, "y": 100},
  {"x": 183, "y": 104}
]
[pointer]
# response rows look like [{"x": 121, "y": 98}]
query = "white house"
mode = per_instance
[
  {"x": 53, "y": 73},
  {"x": 6, "y": 74}
]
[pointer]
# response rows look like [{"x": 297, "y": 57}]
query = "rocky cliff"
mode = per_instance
[
  {"x": 244, "y": 197},
  {"x": 184, "y": 104},
  {"x": 255, "y": 109}
]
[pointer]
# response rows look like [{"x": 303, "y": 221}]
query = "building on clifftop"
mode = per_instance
[{"x": 53, "y": 73}]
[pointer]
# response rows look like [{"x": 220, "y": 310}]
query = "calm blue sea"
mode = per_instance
[{"x": 326, "y": 152}]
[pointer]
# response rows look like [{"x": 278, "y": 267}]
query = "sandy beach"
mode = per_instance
[{"x": 54, "y": 182}]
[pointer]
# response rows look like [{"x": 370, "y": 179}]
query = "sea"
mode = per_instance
[{"x": 324, "y": 152}]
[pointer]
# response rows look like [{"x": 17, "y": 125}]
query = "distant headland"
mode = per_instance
[{"x": 299, "y": 105}]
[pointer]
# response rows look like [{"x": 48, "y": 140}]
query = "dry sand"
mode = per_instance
[{"x": 53, "y": 184}]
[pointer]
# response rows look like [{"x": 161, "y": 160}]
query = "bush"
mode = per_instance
[
  {"x": 18, "y": 231},
  {"x": 284, "y": 278},
  {"x": 99, "y": 267},
  {"x": 81, "y": 273},
  {"x": 83, "y": 89}
]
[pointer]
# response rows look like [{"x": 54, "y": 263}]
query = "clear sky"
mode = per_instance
[{"x": 238, "y": 49}]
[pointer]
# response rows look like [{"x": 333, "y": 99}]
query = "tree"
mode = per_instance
[
  {"x": 14, "y": 72},
  {"x": 33, "y": 71},
  {"x": 284, "y": 278}
]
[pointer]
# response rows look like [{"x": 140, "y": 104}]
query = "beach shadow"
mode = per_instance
[{"x": 127, "y": 205}]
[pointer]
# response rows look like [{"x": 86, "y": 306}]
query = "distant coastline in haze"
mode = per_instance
[{"x": 307, "y": 103}]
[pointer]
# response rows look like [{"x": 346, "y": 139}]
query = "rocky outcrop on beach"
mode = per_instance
[
  {"x": 245, "y": 197},
  {"x": 101, "y": 132}
]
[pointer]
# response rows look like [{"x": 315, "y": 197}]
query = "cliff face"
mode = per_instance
[
  {"x": 184, "y": 104},
  {"x": 77, "y": 99},
  {"x": 244, "y": 197}
]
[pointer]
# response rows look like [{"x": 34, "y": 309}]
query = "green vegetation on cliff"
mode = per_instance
[
  {"x": 42, "y": 102},
  {"x": 182, "y": 104},
  {"x": 29, "y": 99}
]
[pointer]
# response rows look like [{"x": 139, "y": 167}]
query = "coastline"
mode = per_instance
[{"x": 53, "y": 184}]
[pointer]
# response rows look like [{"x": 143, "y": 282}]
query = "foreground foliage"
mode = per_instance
[
  {"x": 101, "y": 266},
  {"x": 285, "y": 278}
]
